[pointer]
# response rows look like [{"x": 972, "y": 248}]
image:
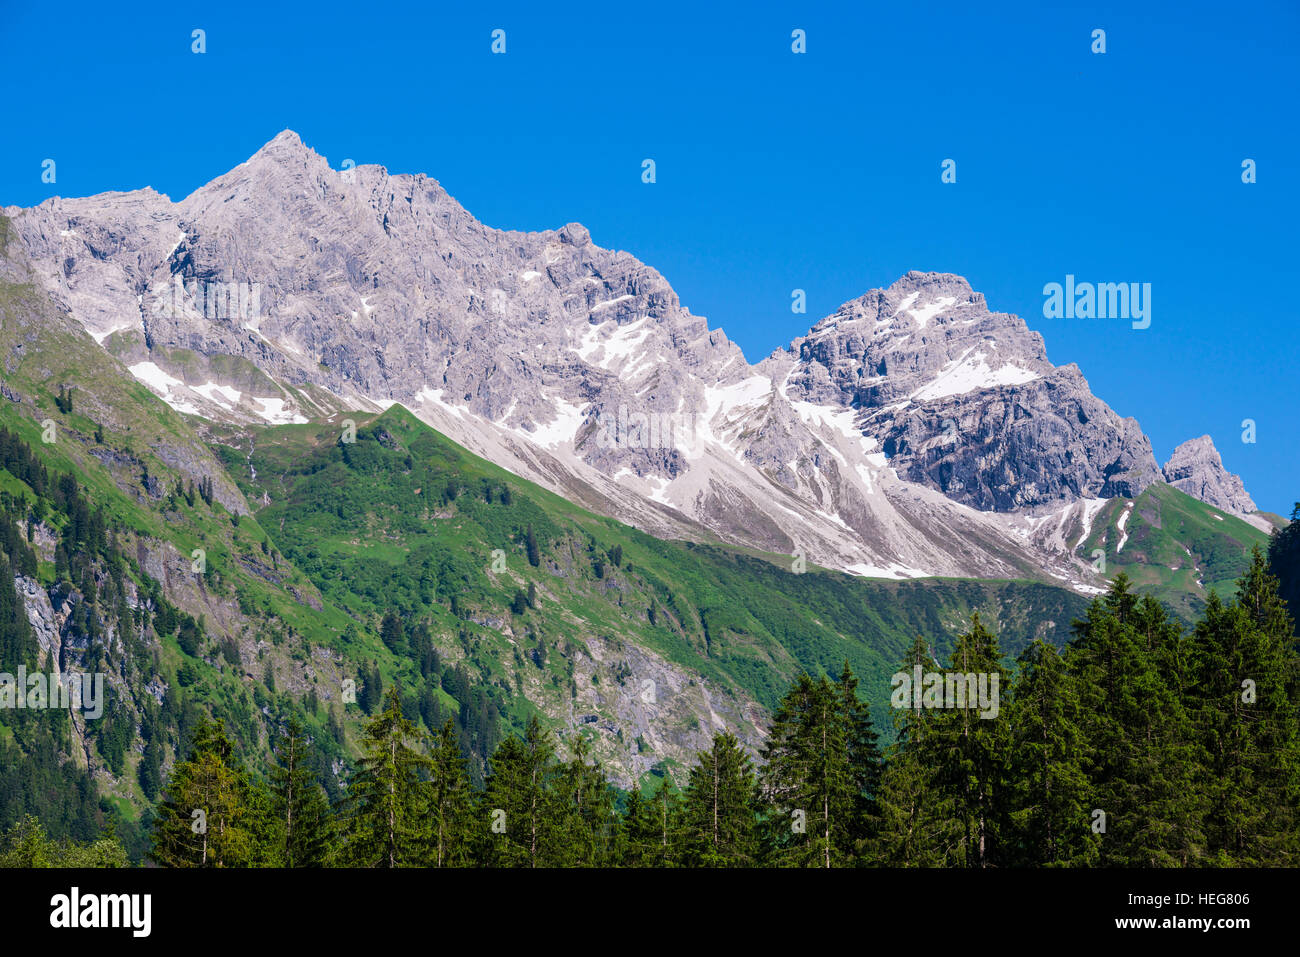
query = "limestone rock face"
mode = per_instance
[
  {"x": 913, "y": 432},
  {"x": 1196, "y": 468},
  {"x": 965, "y": 401}
]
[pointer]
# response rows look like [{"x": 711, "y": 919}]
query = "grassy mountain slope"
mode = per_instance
[
  {"x": 405, "y": 519},
  {"x": 1175, "y": 546}
]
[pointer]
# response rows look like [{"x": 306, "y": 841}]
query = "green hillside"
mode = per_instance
[
  {"x": 404, "y": 519},
  {"x": 1175, "y": 547}
]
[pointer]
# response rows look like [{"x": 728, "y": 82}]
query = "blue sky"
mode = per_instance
[{"x": 775, "y": 171}]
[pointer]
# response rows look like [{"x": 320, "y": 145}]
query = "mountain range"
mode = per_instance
[
  {"x": 561, "y": 481},
  {"x": 913, "y": 432}
]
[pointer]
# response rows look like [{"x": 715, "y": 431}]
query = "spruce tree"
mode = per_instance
[
  {"x": 1127, "y": 660},
  {"x": 1284, "y": 562},
  {"x": 916, "y": 823},
  {"x": 298, "y": 802},
  {"x": 392, "y": 634},
  {"x": 206, "y": 818},
  {"x": 385, "y": 827},
  {"x": 720, "y": 807},
  {"x": 1245, "y": 711},
  {"x": 967, "y": 747},
  {"x": 666, "y": 828},
  {"x": 638, "y": 845},
  {"x": 520, "y": 819},
  {"x": 449, "y": 802},
  {"x": 149, "y": 771},
  {"x": 585, "y": 807},
  {"x": 865, "y": 762},
  {"x": 807, "y": 780},
  {"x": 1048, "y": 791}
]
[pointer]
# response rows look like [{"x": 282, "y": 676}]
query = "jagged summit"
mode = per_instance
[
  {"x": 939, "y": 283},
  {"x": 575, "y": 234},
  {"x": 285, "y": 144},
  {"x": 1197, "y": 469},
  {"x": 902, "y": 435},
  {"x": 910, "y": 303},
  {"x": 285, "y": 149},
  {"x": 286, "y": 137},
  {"x": 965, "y": 400}
]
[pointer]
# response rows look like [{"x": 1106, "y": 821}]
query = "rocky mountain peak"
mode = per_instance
[
  {"x": 934, "y": 283},
  {"x": 965, "y": 400},
  {"x": 286, "y": 145},
  {"x": 293, "y": 289},
  {"x": 285, "y": 152},
  {"x": 918, "y": 297},
  {"x": 1197, "y": 469}
]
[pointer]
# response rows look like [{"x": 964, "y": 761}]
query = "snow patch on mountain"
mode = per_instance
[
  {"x": 1089, "y": 507},
  {"x": 277, "y": 411},
  {"x": 220, "y": 394},
  {"x": 931, "y": 309},
  {"x": 1120, "y": 524},
  {"x": 969, "y": 373},
  {"x": 561, "y": 429},
  {"x": 893, "y": 570}
]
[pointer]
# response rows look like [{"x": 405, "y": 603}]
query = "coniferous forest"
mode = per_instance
[{"x": 1139, "y": 744}]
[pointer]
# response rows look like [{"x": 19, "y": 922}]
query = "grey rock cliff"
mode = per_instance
[
  {"x": 964, "y": 400},
  {"x": 907, "y": 434},
  {"x": 1196, "y": 468}
]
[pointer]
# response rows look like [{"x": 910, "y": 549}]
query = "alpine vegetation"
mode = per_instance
[{"x": 1105, "y": 724}]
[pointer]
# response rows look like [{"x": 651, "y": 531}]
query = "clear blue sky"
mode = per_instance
[{"x": 775, "y": 171}]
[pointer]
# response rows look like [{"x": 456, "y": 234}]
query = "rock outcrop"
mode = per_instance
[
  {"x": 1196, "y": 468},
  {"x": 964, "y": 400}
]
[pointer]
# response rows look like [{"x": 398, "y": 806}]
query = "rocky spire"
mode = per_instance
[{"x": 1196, "y": 469}]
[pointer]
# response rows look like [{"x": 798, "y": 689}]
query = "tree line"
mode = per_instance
[{"x": 1139, "y": 744}]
